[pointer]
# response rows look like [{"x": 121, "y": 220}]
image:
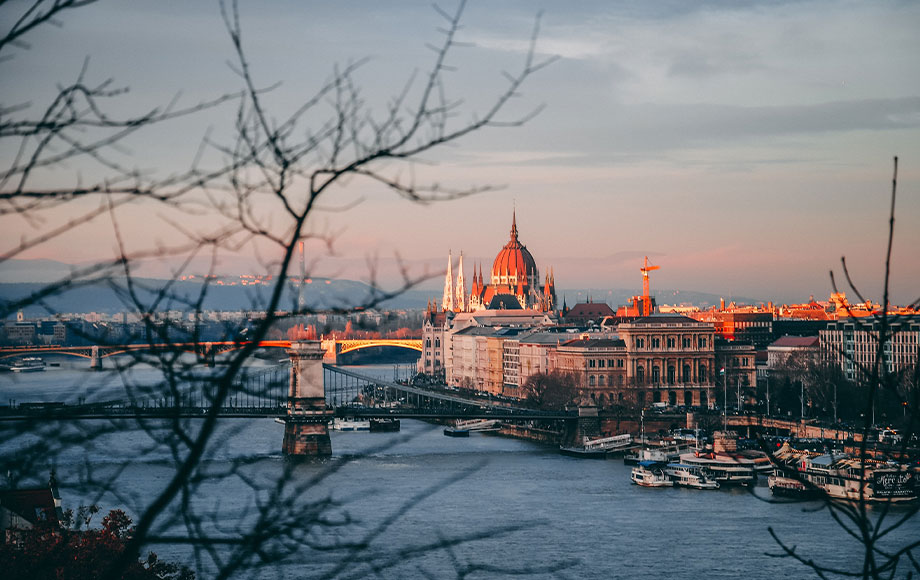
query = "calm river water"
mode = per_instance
[{"x": 583, "y": 515}]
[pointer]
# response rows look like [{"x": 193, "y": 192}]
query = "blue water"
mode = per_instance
[{"x": 502, "y": 505}]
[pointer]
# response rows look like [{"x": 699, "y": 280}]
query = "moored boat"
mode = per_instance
[
  {"x": 29, "y": 364},
  {"x": 583, "y": 453},
  {"x": 350, "y": 425},
  {"x": 692, "y": 476},
  {"x": 384, "y": 425},
  {"x": 455, "y": 432},
  {"x": 726, "y": 469},
  {"x": 782, "y": 486},
  {"x": 650, "y": 474}
]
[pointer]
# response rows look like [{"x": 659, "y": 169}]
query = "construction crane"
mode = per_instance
[{"x": 646, "y": 300}]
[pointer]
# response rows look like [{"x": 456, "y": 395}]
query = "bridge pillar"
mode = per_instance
[
  {"x": 306, "y": 428},
  {"x": 331, "y": 350},
  {"x": 587, "y": 426},
  {"x": 95, "y": 360}
]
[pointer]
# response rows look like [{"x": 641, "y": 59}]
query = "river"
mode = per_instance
[{"x": 506, "y": 504}]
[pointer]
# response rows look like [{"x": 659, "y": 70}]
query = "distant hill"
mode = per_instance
[
  {"x": 23, "y": 278},
  {"x": 109, "y": 296}
]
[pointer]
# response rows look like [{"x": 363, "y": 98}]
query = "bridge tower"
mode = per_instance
[
  {"x": 306, "y": 428},
  {"x": 95, "y": 360}
]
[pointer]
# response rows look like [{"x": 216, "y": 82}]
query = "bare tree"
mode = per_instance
[
  {"x": 889, "y": 548},
  {"x": 272, "y": 175}
]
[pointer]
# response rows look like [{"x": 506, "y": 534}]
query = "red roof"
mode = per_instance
[{"x": 797, "y": 341}]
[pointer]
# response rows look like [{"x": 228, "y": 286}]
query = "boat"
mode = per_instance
[
  {"x": 783, "y": 486},
  {"x": 29, "y": 364},
  {"x": 339, "y": 424},
  {"x": 583, "y": 452},
  {"x": 692, "y": 476},
  {"x": 384, "y": 425},
  {"x": 456, "y": 432},
  {"x": 726, "y": 469},
  {"x": 663, "y": 455},
  {"x": 650, "y": 474},
  {"x": 840, "y": 476}
]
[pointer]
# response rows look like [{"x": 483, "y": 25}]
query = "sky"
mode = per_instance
[{"x": 744, "y": 147}]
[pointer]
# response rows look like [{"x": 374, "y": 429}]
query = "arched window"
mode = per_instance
[
  {"x": 601, "y": 381},
  {"x": 671, "y": 374},
  {"x": 688, "y": 398},
  {"x": 704, "y": 376},
  {"x": 686, "y": 373},
  {"x": 591, "y": 381},
  {"x": 656, "y": 374},
  {"x": 657, "y": 396},
  {"x": 672, "y": 398},
  {"x": 640, "y": 374}
]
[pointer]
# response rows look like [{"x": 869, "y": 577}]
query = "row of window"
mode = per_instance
[{"x": 670, "y": 342}]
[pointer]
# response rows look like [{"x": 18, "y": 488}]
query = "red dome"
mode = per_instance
[{"x": 514, "y": 265}]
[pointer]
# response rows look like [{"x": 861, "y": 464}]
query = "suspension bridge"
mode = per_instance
[{"x": 265, "y": 393}]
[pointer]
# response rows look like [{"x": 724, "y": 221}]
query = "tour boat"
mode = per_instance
[
  {"x": 650, "y": 474},
  {"x": 692, "y": 476},
  {"x": 726, "y": 469},
  {"x": 840, "y": 476},
  {"x": 783, "y": 486},
  {"x": 843, "y": 477},
  {"x": 29, "y": 364},
  {"x": 350, "y": 425}
]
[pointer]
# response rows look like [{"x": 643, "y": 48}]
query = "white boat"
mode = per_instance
[
  {"x": 692, "y": 476},
  {"x": 650, "y": 474},
  {"x": 350, "y": 425},
  {"x": 29, "y": 364},
  {"x": 842, "y": 477},
  {"x": 726, "y": 469}
]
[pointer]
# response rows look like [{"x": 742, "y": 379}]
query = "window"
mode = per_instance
[
  {"x": 601, "y": 363},
  {"x": 601, "y": 380},
  {"x": 619, "y": 363},
  {"x": 671, "y": 374},
  {"x": 703, "y": 374},
  {"x": 701, "y": 342},
  {"x": 640, "y": 343},
  {"x": 592, "y": 381},
  {"x": 591, "y": 363},
  {"x": 656, "y": 342},
  {"x": 686, "y": 373},
  {"x": 686, "y": 342},
  {"x": 656, "y": 374},
  {"x": 640, "y": 374},
  {"x": 672, "y": 342}
]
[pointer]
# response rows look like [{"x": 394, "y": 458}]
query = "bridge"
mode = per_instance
[
  {"x": 206, "y": 351},
  {"x": 306, "y": 394}
]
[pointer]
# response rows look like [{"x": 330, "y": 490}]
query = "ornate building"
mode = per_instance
[{"x": 514, "y": 282}]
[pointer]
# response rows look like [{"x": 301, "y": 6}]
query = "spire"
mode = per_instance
[
  {"x": 460, "y": 303},
  {"x": 514, "y": 231},
  {"x": 447, "y": 303}
]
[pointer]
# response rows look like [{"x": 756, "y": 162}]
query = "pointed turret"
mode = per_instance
[
  {"x": 514, "y": 231},
  {"x": 460, "y": 302},
  {"x": 447, "y": 303}
]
